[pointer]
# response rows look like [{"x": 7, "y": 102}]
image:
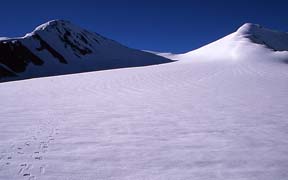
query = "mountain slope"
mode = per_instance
[
  {"x": 59, "y": 47},
  {"x": 274, "y": 40},
  {"x": 248, "y": 41}
]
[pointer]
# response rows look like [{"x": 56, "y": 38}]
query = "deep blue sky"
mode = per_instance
[{"x": 169, "y": 26}]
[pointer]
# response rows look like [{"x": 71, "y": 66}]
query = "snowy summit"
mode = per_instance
[{"x": 249, "y": 40}]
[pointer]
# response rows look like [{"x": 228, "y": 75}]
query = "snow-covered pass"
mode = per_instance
[{"x": 219, "y": 113}]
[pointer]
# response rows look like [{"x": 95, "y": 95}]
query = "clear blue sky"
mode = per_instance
[{"x": 169, "y": 26}]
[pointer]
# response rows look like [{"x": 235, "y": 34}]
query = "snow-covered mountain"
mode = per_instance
[
  {"x": 249, "y": 40},
  {"x": 220, "y": 113},
  {"x": 60, "y": 47}
]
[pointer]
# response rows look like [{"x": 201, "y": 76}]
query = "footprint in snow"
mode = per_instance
[
  {"x": 42, "y": 169},
  {"x": 38, "y": 157}
]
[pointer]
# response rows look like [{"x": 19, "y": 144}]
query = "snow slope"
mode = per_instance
[
  {"x": 168, "y": 55},
  {"x": 234, "y": 46},
  {"x": 60, "y": 47},
  {"x": 197, "y": 119}
]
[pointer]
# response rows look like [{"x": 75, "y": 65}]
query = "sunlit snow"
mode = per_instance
[{"x": 219, "y": 113}]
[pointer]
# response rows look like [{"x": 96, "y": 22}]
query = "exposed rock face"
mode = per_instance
[{"x": 16, "y": 56}]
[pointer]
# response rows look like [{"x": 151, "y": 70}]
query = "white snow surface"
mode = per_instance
[
  {"x": 168, "y": 55},
  {"x": 219, "y": 115}
]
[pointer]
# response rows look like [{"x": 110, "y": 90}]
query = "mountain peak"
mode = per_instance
[
  {"x": 275, "y": 40},
  {"x": 57, "y": 26},
  {"x": 249, "y": 28},
  {"x": 53, "y": 24}
]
